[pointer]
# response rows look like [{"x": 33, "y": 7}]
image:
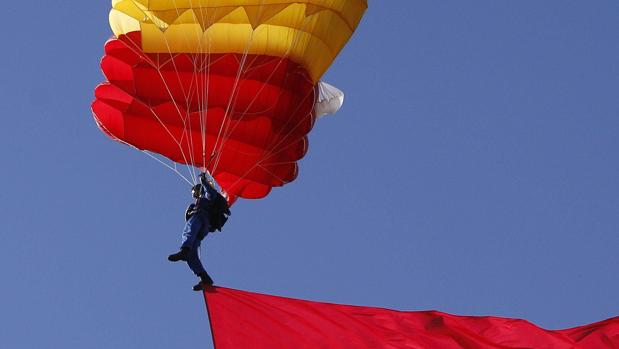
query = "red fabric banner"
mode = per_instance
[{"x": 244, "y": 320}]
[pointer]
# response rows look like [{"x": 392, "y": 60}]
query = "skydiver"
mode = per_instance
[{"x": 209, "y": 213}]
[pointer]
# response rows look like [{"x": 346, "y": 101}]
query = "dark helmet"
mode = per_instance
[{"x": 197, "y": 190}]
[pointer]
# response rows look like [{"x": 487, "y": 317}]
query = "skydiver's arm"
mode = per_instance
[
  {"x": 205, "y": 178},
  {"x": 212, "y": 192}
]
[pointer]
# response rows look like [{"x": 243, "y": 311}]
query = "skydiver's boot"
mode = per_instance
[
  {"x": 180, "y": 255},
  {"x": 205, "y": 281}
]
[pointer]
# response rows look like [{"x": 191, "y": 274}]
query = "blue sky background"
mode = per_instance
[{"x": 473, "y": 169}]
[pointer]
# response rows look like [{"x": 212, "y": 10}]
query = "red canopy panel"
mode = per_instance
[
  {"x": 242, "y": 319},
  {"x": 252, "y": 112}
]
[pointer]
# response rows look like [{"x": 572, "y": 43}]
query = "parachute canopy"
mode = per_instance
[
  {"x": 242, "y": 319},
  {"x": 228, "y": 86},
  {"x": 308, "y": 32}
]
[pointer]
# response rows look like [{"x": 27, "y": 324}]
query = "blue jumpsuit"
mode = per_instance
[{"x": 196, "y": 229}]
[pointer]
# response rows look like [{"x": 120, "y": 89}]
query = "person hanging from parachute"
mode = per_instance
[
  {"x": 246, "y": 89},
  {"x": 209, "y": 213}
]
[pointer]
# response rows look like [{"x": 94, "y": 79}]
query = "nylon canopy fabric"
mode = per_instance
[
  {"x": 225, "y": 86},
  {"x": 308, "y": 32},
  {"x": 241, "y": 319},
  {"x": 268, "y": 125},
  {"x": 329, "y": 100}
]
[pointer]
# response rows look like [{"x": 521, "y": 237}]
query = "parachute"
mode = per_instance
[{"x": 226, "y": 86}]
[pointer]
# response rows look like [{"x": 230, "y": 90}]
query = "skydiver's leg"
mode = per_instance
[
  {"x": 191, "y": 236},
  {"x": 194, "y": 263},
  {"x": 192, "y": 232},
  {"x": 194, "y": 259}
]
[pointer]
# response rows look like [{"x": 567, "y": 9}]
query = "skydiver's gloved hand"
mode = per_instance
[
  {"x": 207, "y": 181},
  {"x": 203, "y": 178}
]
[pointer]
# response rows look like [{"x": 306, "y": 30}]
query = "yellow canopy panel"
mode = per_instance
[{"x": 309, "y": 32}]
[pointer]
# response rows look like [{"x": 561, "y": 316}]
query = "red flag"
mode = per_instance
[{"x": 245, "y": 320}]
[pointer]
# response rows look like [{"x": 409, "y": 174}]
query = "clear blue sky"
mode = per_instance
[{"x": 473, "y": 169}]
